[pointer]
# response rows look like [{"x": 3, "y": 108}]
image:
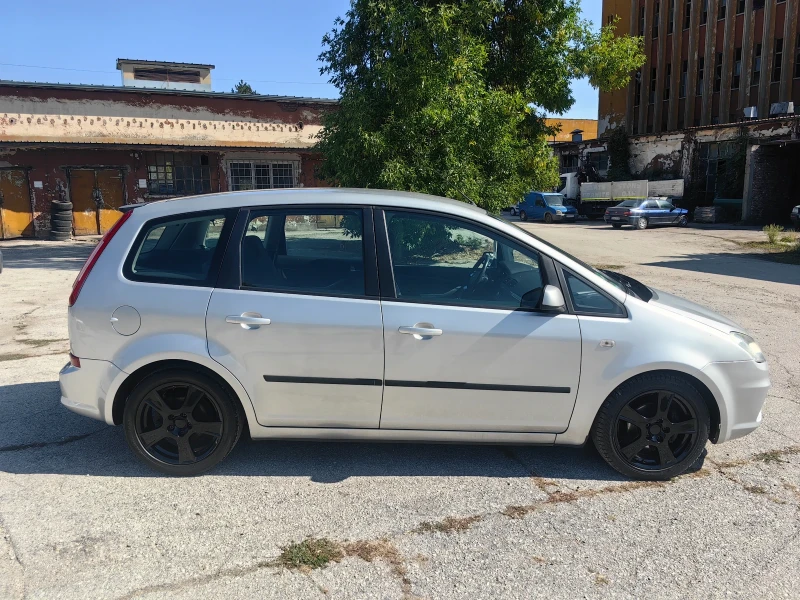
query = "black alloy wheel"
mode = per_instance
[
  {"x": 652, "y": 427},
  {"x": 181, "y": 423}
]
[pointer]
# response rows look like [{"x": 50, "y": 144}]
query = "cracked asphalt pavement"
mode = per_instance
[{"x": 80, "y": 517}]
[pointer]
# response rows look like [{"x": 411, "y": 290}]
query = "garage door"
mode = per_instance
[
  {"x": 16, "y": 218},
  {"x": 96, "y": 196}
]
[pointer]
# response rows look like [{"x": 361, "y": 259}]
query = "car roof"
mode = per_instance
[{"x": 310, "y": 196}]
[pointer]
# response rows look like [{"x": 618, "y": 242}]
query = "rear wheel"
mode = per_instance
[
  {"x": 641, "y": 223},
  {"x": 652, "y": 427},
  {"x": 548, "y": 218},
  {"x": 181, "y": 422},
  {"x": 523, "y": 216}
]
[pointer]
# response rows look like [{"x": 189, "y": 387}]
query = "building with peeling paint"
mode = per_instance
[
  {"x": 161, "y": 134},
  {"x": 716, "y": 102}
]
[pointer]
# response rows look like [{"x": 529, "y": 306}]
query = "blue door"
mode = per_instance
[{"x": 539, "y": 207}]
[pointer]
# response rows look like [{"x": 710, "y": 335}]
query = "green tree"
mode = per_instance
[
  {"x": 447, "y": 97},
  {"x": 243, "y": 88}
]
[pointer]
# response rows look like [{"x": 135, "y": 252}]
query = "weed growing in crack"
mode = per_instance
[
  {"x": 311, "y": 553},
  {"x": 448, "y": 525}
]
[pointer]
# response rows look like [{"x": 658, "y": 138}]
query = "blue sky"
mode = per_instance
[{"x": 272, "y": 45}]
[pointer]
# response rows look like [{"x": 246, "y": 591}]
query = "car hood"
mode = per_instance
[
  {"x": 562, "y": 207},
  {"x": 693, "y": 311}
]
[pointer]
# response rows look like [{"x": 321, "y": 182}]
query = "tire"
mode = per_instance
[
  {"x": 617, "y": 225},
  {"x": 548, "y": 218},
  {"x": 683, "y": 221},
  {"x": 523, "y": 216},
  {"x": 629, "y": 420},
  {"x": 56, "y": 206},
  {"x": 641, "y": 223},
  {"x": 157, "y": 406},
  {"x": 60, "y": 236},
  {"x": 63, "y": 227},
  {"x": 61, "y": 216}
]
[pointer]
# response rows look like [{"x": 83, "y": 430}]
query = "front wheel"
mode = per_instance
[
  {"x": 181, "y": 422},
  {"x": 523, "y": 216},
  {"x": 548, "y": 218},
  {"x": 683, "y": 221},
  {"x": 653, "y": 427}
]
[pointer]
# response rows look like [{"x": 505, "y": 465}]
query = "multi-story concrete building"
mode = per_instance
[
  {"x": 162, "y": 133},
  {"x": 708, "y": 62}
]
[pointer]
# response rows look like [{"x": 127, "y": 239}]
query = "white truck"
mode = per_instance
[{"x": 591, "y": 199}]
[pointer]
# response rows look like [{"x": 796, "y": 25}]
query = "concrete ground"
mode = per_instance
[{"x": 80, "y": 517}]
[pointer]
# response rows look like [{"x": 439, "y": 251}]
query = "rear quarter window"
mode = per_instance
[{"x": 182, "y": 249}]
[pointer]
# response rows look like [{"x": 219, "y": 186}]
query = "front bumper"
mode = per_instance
[
  {"x": 743, "y": 388},
  {"x": 84, "y": 389},
  {"x": 565, "y": 217}
]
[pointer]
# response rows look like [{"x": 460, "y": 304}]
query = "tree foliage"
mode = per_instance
[
  {"x": 447, "y": 96},
  {"x": 243, "y": 88}
]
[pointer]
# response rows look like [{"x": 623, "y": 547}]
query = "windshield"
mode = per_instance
[
  {"x": 630, "y": 203},
  {"x": 605, "y": 276},
  {"x": 562, "y": 186},
  {"x": 553, "y": 199}
]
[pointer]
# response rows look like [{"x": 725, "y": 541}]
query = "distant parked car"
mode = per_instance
[
  {"x": 547, "y": 207},
  {"x": 514, "y": 210},
  {"x": 795, "y": 222},
  {"x": 641, "y": 213}
]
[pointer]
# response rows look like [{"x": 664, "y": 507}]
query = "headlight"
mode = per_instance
[
  {"x": 750, "y": 346},
  {"x": 558, "y": 212}
]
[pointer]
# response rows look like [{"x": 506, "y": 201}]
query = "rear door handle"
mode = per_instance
[
  {"x": 248, "y": 320},
  {"x": 420, "y": 333}
]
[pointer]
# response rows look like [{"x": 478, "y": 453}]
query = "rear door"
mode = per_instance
[
  {"x": 297, "y": 317},
  {"x": 466, "y": 347}
]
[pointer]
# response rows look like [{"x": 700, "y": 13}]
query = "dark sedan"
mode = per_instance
[
  {"x": 641, "y": 213},
  {"x": 795, "y": 216}
]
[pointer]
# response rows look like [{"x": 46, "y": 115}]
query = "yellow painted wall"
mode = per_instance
[{"x": 589, "y": 127}]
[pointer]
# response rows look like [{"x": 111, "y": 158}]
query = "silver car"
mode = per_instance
[{"x": 372, "y": 315}]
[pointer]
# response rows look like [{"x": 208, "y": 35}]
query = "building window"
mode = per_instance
[
  {"x": 598, "y": 160},
  {"x": 671, "y": 18},
  {"x": 637, "y": 90},
  {"x": 740, "y": 7},
  {"x": 178, "y": 173},
  {"x": 687, "y": 14},
  {"x": 656, "y": 19},
  {"x": 776, "y": 67},
  {"x": 684, "y": 77},
  {"x": 756, "y": 65},
  {"x": 258, "y": 175},
  {"x": 723, "y": 6},
  {"x": 641, "y": 20},
  {"x": 797, "y": 57},
  {"x": 569, "y": 163},
  {"x": 652, "y": 98},
  {"x": 610, "y": 19},
  {"x": 667, "y": 78},
  {"x": 718, "y": 73},
  {"x": 704, "y": 13},
  {"x": 737, "y": 69},
  {"x": 760, "y": 4},
  {"x": 700, "y": 67}
]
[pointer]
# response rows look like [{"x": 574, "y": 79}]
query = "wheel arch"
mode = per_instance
[{"x": 131, "y": 380}]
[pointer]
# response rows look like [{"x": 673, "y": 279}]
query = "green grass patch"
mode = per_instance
[{"x": 311, "y": 553}]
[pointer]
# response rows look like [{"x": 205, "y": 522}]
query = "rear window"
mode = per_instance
[{"x": 181, "y": 250}]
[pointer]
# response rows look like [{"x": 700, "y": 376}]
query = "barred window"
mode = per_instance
[
  {"x": 252, "y": 175},
  {"x": 178, "y": 173}
]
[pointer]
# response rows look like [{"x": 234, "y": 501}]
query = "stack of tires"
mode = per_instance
[{"x": 61, "y": 221}]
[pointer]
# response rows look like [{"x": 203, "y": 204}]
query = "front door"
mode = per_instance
[
  {"x": 301, "y": 327},
  {"x": 16, "y": 218},
  {"x": 466, "y": 347},
  {"x": 96, "y": 196},
  {"x": 539, "y": 207}
]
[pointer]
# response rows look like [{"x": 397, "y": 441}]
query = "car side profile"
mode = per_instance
[
  {"x": 642, "y": 213},
  {"x": 375, "y": 315},
  {"x": 547, "y": 207}
]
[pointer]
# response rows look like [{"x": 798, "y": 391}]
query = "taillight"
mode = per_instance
[
  {"x": 627, "y": 213},
  {"x": 98, "y": 250},
  {"x": 74, "y": 361}
]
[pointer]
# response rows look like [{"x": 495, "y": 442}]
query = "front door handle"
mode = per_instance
[
  {"x": 420, "y": 331},
  {"x": 248, "y": 320}
]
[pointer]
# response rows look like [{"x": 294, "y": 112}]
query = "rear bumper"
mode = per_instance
[
  {"x": 84, "y": 390},
  {"x": 743, "y": 387}
]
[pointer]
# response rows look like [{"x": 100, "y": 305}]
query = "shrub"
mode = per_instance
[{"x": 773, "y": 231}]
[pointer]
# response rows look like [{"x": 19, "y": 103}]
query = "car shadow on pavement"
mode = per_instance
[
  {"x": 39, "y": 436},
  {"x": 46, "y": 256},
  {"x": 749, "y": 266}
]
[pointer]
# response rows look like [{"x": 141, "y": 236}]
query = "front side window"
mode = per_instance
[
  {"x": 257, "y": 175},
  {"x": 177, "y": 250},
  {"x": 438, "y": 260},
  {"x": 311, "y": 252},
  {"x": 665, "y": 205},
  {"x": 588, "y": 299}
]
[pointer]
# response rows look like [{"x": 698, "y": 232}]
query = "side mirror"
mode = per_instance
[{"x": 553, "y": 299}]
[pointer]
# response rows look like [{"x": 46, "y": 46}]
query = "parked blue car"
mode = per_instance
[
  {"x": 644, "y": 212},
  {"x": 547, "y": 207}
]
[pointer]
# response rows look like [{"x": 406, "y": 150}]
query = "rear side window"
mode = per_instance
[
  {"x": 318, "y": 252},
  {"x": 181, "y": 250}
]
